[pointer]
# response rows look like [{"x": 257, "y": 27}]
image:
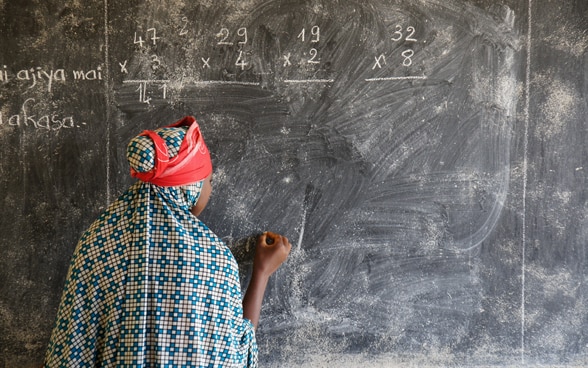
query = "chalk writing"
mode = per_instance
[
  {"x": 399, "y": 34},
  {"x": 41, "y": 77},
  {"x": 313, "y": 53},
  {"x": 4, "y": 74},
  {"x": 145, "y": 95},
  {"x": 155, "y": 62},
  {"x": 123, "y": 67},
  {"x": 151, "y": 35},
  {"x": 287, "y": 61},
  {"x": 315, "y": 36},
  {"x": 48, "y": 121},
  {"x": 407, "y": 54},
  {"x": 38, "y": 74},
  {"x": 225, "y": 34},
  {"x": 184, "y": 29},
  {"x": 315, "y": 31},
  {"x": 239, "y": 37},
  {"x": 307, "y": 58},
  {"x": 94, "y": 74},
  {"x": 150, "y": 88},
  {"x": 241, "y": 61},
  {"x": 405, "y": 59},
  {"x": 379, "y": 60}
]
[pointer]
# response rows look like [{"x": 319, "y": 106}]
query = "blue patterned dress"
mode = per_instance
[{"x": 150, "y": 285}]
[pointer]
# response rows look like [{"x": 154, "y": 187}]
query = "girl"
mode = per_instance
[{"x": 149, "y": 284}]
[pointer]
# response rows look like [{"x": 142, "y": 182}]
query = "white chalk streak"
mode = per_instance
[
  {"x": 309, "y": 80},
  {"x": 395, "y": 78},
  {"x": 302, "y": 226},
  {"x": 107, "y": 98},
  {"x": 525, "y": 176},
  {"x": 227, "y": 82},
  {"x": 197, "y": 83},
  {"x": 146, "y": 81}
]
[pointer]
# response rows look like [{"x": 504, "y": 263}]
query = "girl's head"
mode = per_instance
[{"x": 174, "y": 155}]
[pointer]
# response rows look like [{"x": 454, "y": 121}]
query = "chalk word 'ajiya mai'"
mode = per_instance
[
  {"x": 51, "y": 121},
  {"x": 38, "y": 76}
]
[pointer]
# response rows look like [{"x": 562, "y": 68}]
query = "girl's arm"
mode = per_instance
[{"x": 271, "y": 251}]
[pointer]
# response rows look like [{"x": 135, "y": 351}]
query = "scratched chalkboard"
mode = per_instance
[{"x": 426, "y": 159}]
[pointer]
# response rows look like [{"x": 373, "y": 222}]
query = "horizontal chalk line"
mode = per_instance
[
  {"x": 394, "y": 78},
  {"x": 192, "y": 83},
  {"x": 227, "y": 82},
  {"x": 309, "y": 80},
  {"x": 146, "y": 81}
]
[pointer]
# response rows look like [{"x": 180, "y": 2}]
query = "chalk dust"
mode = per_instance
[
  {"x": 560, "y": 105},
  {"x": 559, "y": 287},
  {"x": 569, "y": 40},
  {"x": 326, "y": 360}
]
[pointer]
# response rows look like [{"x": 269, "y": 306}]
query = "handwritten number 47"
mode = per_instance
[{"x": 151, "y": 35}]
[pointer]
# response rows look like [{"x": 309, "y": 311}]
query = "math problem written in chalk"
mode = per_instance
[
  {"x": 232, "y": 40},
  {"x": 404, "y": 58},
  {"x": 227, "y": 52}
]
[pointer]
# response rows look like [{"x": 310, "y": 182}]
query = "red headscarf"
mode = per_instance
[{"x": 190, "y": 165}]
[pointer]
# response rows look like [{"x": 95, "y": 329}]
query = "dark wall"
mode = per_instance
[{"x": 426, "y": 159}]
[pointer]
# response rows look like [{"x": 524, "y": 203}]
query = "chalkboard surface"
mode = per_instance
[{"x": 427, "y": 160}]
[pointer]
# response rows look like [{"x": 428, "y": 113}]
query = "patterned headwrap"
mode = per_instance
[
  {"x": 170, "y": 156},
  {"x": 149, "y": 284}
]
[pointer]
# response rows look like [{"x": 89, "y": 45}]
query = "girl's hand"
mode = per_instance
[{"x": 271, "y": 251}]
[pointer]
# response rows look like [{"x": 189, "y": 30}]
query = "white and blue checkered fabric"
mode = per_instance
[
  {"x": 150, "y": 285},
  {"x": 141, "y": 150}
]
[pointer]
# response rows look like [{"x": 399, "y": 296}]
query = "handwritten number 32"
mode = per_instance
[{"x": 399, "y": 34}]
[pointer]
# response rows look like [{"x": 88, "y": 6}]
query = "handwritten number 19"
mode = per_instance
[{"x": 315, "y": 33}]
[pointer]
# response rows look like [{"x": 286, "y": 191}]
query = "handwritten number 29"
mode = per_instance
[{"x": 224, "y": 35}]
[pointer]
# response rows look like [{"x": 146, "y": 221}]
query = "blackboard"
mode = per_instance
[{"x": 427, "y": 160}]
